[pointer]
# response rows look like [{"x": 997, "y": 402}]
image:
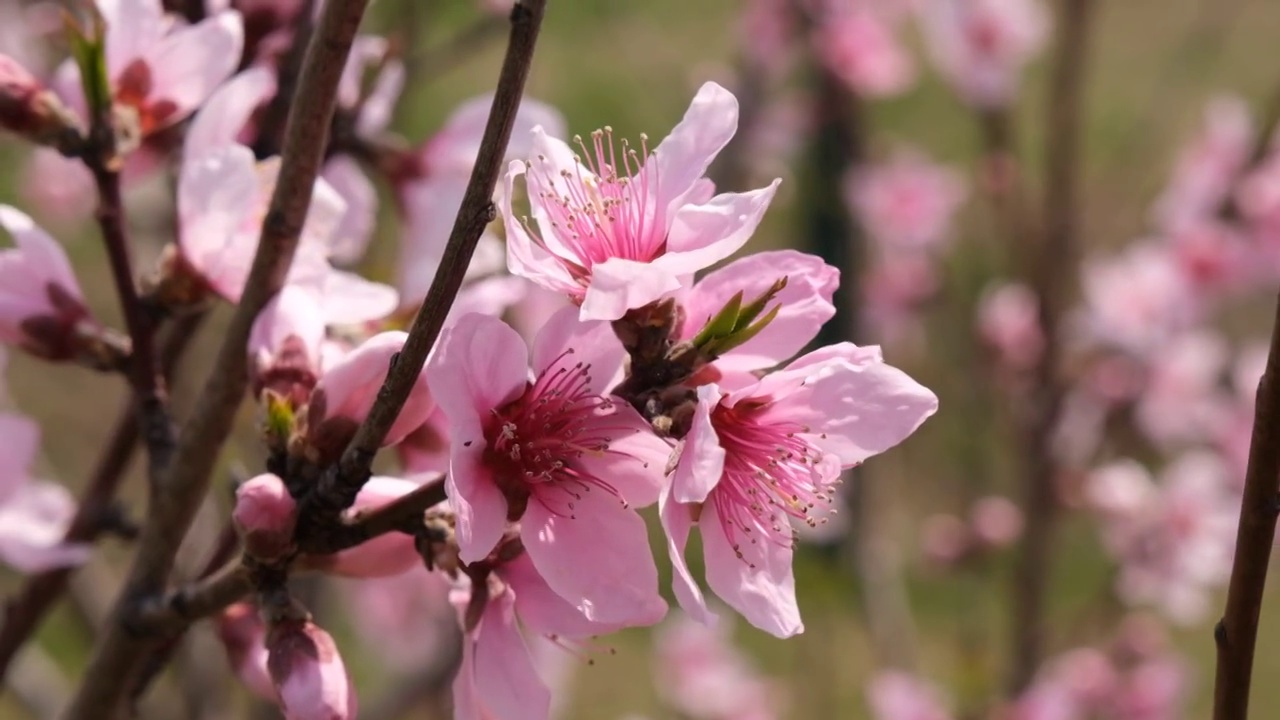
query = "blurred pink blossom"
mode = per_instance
[
  {"x": 907, "y": 202},
  {"x": 1009, "y": 323},
  {"x": 1137, "y": 300},
  {"x": 760, "y": 457},
  {"x": 703, "y": 676},
  {"x": 552, "y": 450},
  {"x": 244, "y": 636},
  {"x": 863, "y": 48},
  {"x": 622, "y": 228},
  {"x": 34, "y": 515},
  {"x": 896, "y": 695},
  {"x": 1183, "y": 401},
  {"x": 896, "y": 286},
  {"x": 981, "y": 46},
  {"x": 41, "y": 306},
  {"x": 1207, "y": 167},
  {"x": 1218, "y": 259},
  {"x": 401, "y": 618},
  {"x": 1173, "y": 540},
  {"x": 996, "y": 521}
]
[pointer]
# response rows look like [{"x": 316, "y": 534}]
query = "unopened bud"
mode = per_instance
[
  {"x": 308, "y": 672},
  {"x": 244, "y": 636},
  {"x": 265, "y": 515},
  {"x": 29, "y": 109}
]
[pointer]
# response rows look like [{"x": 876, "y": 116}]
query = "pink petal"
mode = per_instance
[
  {"x": 478, "y": 504},
  {"x": 294, "y": 312},
  {"x": 593, "y": 344},
  {"x": 598, "y": 559},
  {"x": 541, "y": 610},
  {"x": 479, "y": 365},
  {"x": 805, "y": 304},
  {"x": 191, "y": 62},
  {"x": 491, "y": 296},
  {"x": 351, "y": 236},
  {"x": 430, "y": 207},
  {"x": 677, "y": 519},
  {"x": 384, "y": 556},
  {"x": 458, "y": 142},
  {"x": 228, "y": 110},
  {"x": 636, "y": 458},
  {"x": 351, "y": 300},
  {"x": 18, "y": 453},
  {"x": 39, "y": 250},
  {"x": 33, "y": 522},
  {"x": 705, "y": 234},
  {"x": 701, "y": 458},
  {"x": 759, "y": 585},
  {"x": 684, "y": 155},
  {"x": 379, "y": 104},
  {"x": 133, "y": 28},
  {"x": 503, "y": 672},
  {"x": 215, "y": 196},
  {"x": 618, "y": 285}
]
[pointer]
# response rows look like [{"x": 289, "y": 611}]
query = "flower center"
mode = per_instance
[
  {"x": 534, "y": 442},
  {"x": 602, "y": 209},
  {"x": 771, "y": 475}
]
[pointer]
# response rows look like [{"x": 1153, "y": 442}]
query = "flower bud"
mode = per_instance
[
  {"x": 347, "y": 390},
  {"x": 265, "y": 515},
  {"x": 29, "y": 109},
  {"x": 308, "y": 672},
  {"x": 244, "y": 635}
]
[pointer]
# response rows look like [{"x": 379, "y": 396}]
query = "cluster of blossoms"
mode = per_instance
[{"x": 618, "y": 379}]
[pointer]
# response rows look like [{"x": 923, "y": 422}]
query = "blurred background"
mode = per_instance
[{"x": 917, "y": 573}]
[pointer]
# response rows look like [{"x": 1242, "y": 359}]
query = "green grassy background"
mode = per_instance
[{"x": 634, "y": 66}]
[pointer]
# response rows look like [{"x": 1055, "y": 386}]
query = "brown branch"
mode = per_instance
[
  {"x": 1237, "y": 632},
  {"x": 119, "y": 651},
  {"x": 172, "y": 613},
  {"x": 24, "y": 612},
  {"x": 1050, "y": 275},
  {"x": 404, "y": 514},
  {"x": 338, "y": 488}
]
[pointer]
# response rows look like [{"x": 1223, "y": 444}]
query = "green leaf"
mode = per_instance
[
  {"x": 753, "y": 309},
  {"x": 88, "y": 47},
  {"x": 722, "y": 324}
]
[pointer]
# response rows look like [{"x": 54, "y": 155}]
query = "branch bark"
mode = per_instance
[
  {"x": 1050, "y": 275},
  {"x": 186, "y": 481},
  {"x": 24, "y": 612},
  {"x": 338, "y": 488}
]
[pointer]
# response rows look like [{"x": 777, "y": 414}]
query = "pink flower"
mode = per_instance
[
  {"x": 160, "y": 69},
  {"x": 620, "y": 229},
  {"x": 404, "y": 619},
  {"x": 41, "y": 306},
  {"x": 861, "y": 46},
  {"x": 264, "y": 515},
  {"x": 702, "y": 676},
  {"x": 1207, "y": 167},
  {"x": 895, "y": 288},
  {"x": 286, "y": 344},
  {"x": 1009, "y": 322},
  {"x": 34, "y": 515},
  {"x": 1174, "y": 540},
  {"x": 759, "y": 457},
  {"x": 498, "y": 679},
  {"x": 244, "y": 636},
  {"x": 1219, "y": 260},
  {"x": 996, "y": 521},
  {"x": 805, "y": 304},
  {"x": 431, "y": 198},
  {"x": 981, "y": 46},
  {"x": 308, "y": 673},
  {"x": 58, "y": 189},
  {"x": 896, "y": 695},
  {"x": 383, "y": 556},
  {"x": 1137, "y": 300},
  {"x": 555, "y": 452},
  {"x": 345, "y": 393},
  {"x": 1182, "y": 401},
  {"x": 907, "y": 202}
]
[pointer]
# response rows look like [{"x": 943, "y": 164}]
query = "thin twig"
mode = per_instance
[
  {"x": 337, "y": 490},
  {"x": 179, "y": 608},
  {"x": 1237, "y": 632},
  {"x": 119, "y": 651},
  {"x": 402, "y": 514},
  {"x": 24, "y": 612},
  {"x": 1050, "y": 275}
]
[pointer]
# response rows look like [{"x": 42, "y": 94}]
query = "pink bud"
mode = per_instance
[
  {"x": 27, "y": 108},
  {"x": 41, "y": 308},
  {"x": 347, "y": 390},
  {"x": 265, "y": 514},
  {"x": 996, "y": 522},
  {"x": 308, "y": 673},
  {"x": 244, "y": 636}
]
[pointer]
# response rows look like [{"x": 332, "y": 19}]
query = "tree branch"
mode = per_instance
[
  {"x": 338, "y": 487},
  {"x": 1237, "y": 632},
  {"x": 1050, "y": 275},
  {"x": 172, "y": 613},
  {"x": 186, "y": 481},
  {"x": 401, "y": 514},
  {"x": 24, "y": 612}
]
